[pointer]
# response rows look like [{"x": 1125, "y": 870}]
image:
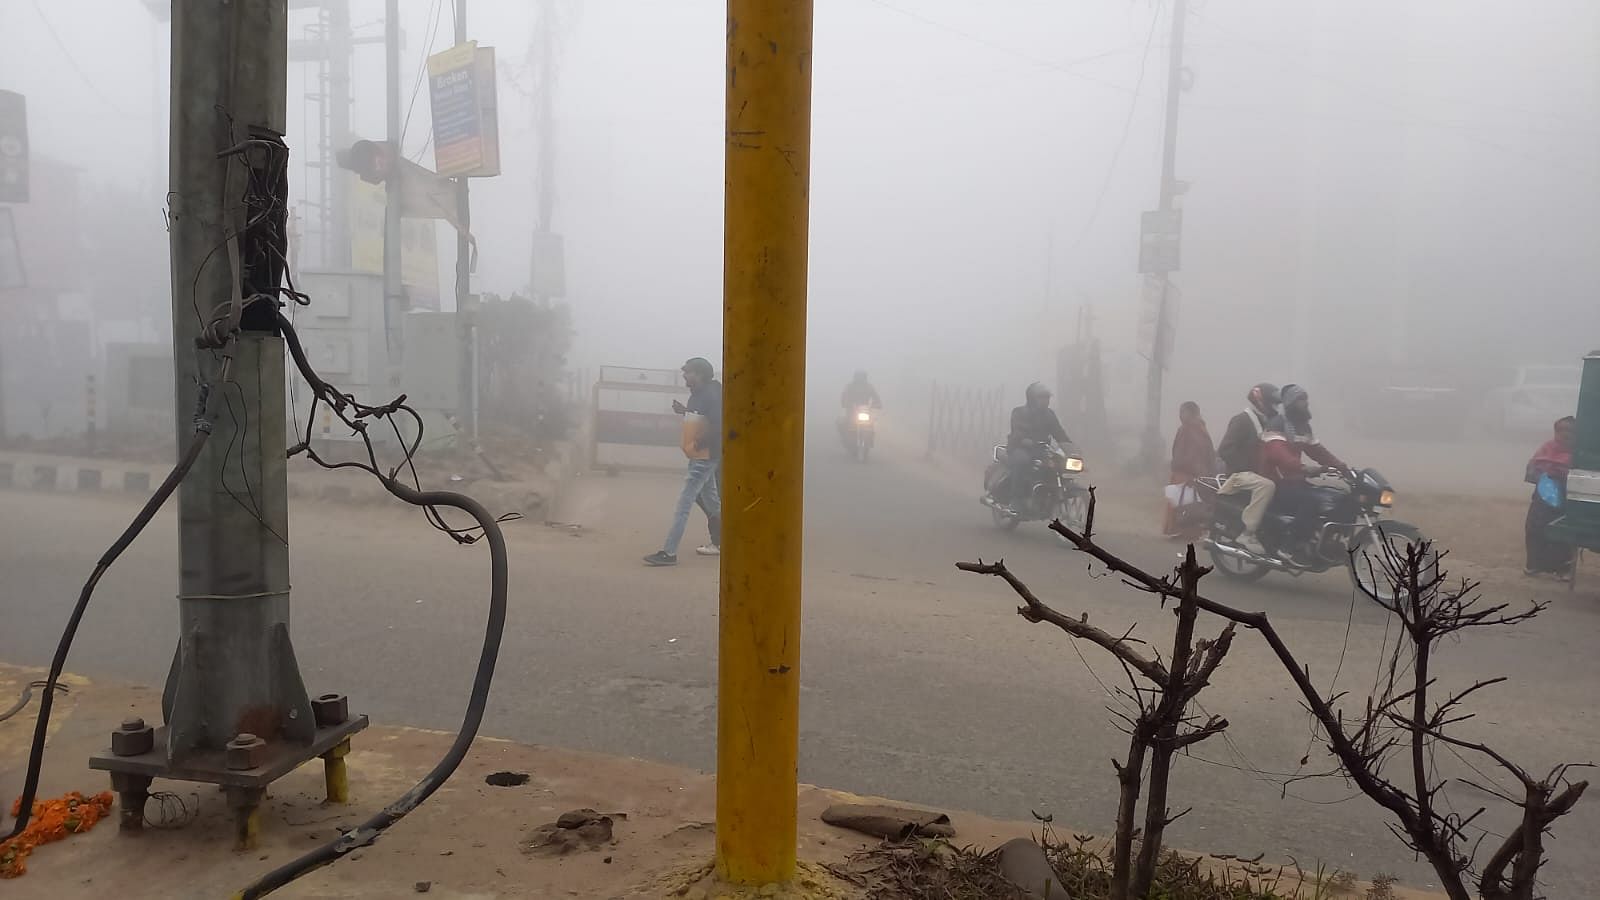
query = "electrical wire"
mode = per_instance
[
  {"x": 197, "y": 443},
  {"x": 27, "y": 694},
  {"x": 422, "y": 69},
  {"x": 1066, "y": 68},
  {"x": 1122, "y": 140},
  {"x": 120, "y": 109},
  {"x": 356, "y": 415}
]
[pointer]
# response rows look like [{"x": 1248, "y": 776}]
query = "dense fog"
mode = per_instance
[{"x": 1374, "y": 192}]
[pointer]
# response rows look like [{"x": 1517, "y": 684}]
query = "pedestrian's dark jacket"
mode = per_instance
[
  {"x": 1035, "y": 425},
  {"x": 706, "y": 400},
  {"x": 1241, "y": 443}
]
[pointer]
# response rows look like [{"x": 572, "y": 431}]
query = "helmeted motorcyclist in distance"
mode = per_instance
[
  {"x": 860, "y": 392},
  {"x": 1033, "y": 425},
  {"x": 1240, "y": 452}
]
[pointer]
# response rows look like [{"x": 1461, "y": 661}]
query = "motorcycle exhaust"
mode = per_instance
[{"x": 1242, "y": 554}]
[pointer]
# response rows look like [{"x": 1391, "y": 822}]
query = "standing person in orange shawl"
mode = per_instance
[{"x": 1193, "y": 455}]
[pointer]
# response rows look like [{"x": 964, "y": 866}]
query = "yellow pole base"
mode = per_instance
[{"x": 335, "y": 774}]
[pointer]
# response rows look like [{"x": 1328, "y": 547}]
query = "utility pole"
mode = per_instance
[
  {"x": 234, "y": 682},
  {"x": 547, "y": 143},
  {"x": 767, "y": 171},
  {"x": 393, "y": 273},
  {"x": 464, "y": 312},
  {"x": 1151, "y": 451}
]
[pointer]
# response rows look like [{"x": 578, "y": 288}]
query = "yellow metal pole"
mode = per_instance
[{"x": 763, "y": 351}]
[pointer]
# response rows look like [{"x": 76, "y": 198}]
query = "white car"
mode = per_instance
[{"x": 1535, "y": 399}]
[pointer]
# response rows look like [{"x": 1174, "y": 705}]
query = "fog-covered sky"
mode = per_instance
[{"x": 1369, "y": 180}]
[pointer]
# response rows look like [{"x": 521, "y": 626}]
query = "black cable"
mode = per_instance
[
  {"x": 371, "y": 829},
  {"x": 202, "y": 433}
]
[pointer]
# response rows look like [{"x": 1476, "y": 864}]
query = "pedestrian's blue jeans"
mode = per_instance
[{"x": 699, "y": 488}]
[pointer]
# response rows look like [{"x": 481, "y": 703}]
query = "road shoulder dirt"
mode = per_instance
[{"x": 466, "y": 842}]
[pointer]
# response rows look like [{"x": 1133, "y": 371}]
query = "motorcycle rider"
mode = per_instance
[
  {"x": 1285, "y": 439},
  {"x": 1240, "y": 452},
  {"x": 1033, "y": 425},
  {"x": 859, "y": 392}
]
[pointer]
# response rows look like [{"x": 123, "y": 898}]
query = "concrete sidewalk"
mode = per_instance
[
  {"x": 528, "y": 487},
  {"x": 466, "y": 842}
]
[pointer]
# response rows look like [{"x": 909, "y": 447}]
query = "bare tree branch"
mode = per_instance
[{"x": 1035, "y": 610}]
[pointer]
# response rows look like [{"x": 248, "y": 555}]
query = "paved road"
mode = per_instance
[{"x": 918, "y": 681}]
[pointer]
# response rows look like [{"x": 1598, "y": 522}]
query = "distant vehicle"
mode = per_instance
[
  {"x": 1411, "y": 403},
  {"x": 1535, "y": 397}
]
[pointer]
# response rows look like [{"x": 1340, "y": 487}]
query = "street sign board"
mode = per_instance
[
  {"x": 13, "y": 148},
  {"x": 11, "y": 273},
  {"x": 1150, "y": 314},
  {"x": 1159, "y": 237},
  {"x": 461, "y": 92},
  {"x": 419, "y": 255}
]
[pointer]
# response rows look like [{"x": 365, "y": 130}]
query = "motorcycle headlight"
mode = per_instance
[
  {"x": 1386, "y": 498},
  {"x": 1074, "y": 464},
  {"x": 863, "y": 416}
]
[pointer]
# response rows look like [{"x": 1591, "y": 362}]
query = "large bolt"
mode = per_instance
[
  {"x": 133, "y": 738},
  {"x": 245, "y": 751},
  {"x": 331, "y": 710}
]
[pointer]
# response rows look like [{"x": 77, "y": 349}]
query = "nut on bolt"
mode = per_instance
[
  {"x": 331, "y": 710},
  {"x": 133, "y": 738},
  {"x": 245, "y": 751}
]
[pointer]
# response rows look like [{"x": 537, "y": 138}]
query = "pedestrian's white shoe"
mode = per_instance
[
  {"x": 709, "y": 550},
  {"x": 1252, "y": 543}
]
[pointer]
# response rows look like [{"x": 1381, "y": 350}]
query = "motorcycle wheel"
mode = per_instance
[
  {"x": 1237, "y": 569},
  {"x": 1366, "y": 564},
  {"x": 1074, "y": 511},
  {"x": 862, "y": 448}
]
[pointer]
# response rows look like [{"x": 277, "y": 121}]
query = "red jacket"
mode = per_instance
[{"x": 1280, "y": 458}]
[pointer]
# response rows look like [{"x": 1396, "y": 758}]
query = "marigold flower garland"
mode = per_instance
[{"x": 52, "y": 820}]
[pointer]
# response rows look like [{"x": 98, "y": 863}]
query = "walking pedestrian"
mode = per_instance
[{"x": 702, "y": 444}]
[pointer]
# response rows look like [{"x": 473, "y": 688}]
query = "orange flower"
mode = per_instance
[{"x": 52, "y": 820}]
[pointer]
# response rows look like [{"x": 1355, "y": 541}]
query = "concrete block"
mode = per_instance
[
  {"x": 89, "y": 479},
  {"x": 136, "y": 482},
  {"x": 8, "y": 474}
]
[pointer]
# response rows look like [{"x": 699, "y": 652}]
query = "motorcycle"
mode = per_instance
[
  {"x": 857, "y": 432},
  {"x": 1349, "y": 532},
  {"x": 1054, "y": 494}
]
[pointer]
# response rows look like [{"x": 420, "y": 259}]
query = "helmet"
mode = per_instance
[
  {"x": 1291, "y": 393},
  {"x": 1036, "y": 390},
  {"x": 700, "y": 366},
  {"x": 1264, "y": 397}
]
